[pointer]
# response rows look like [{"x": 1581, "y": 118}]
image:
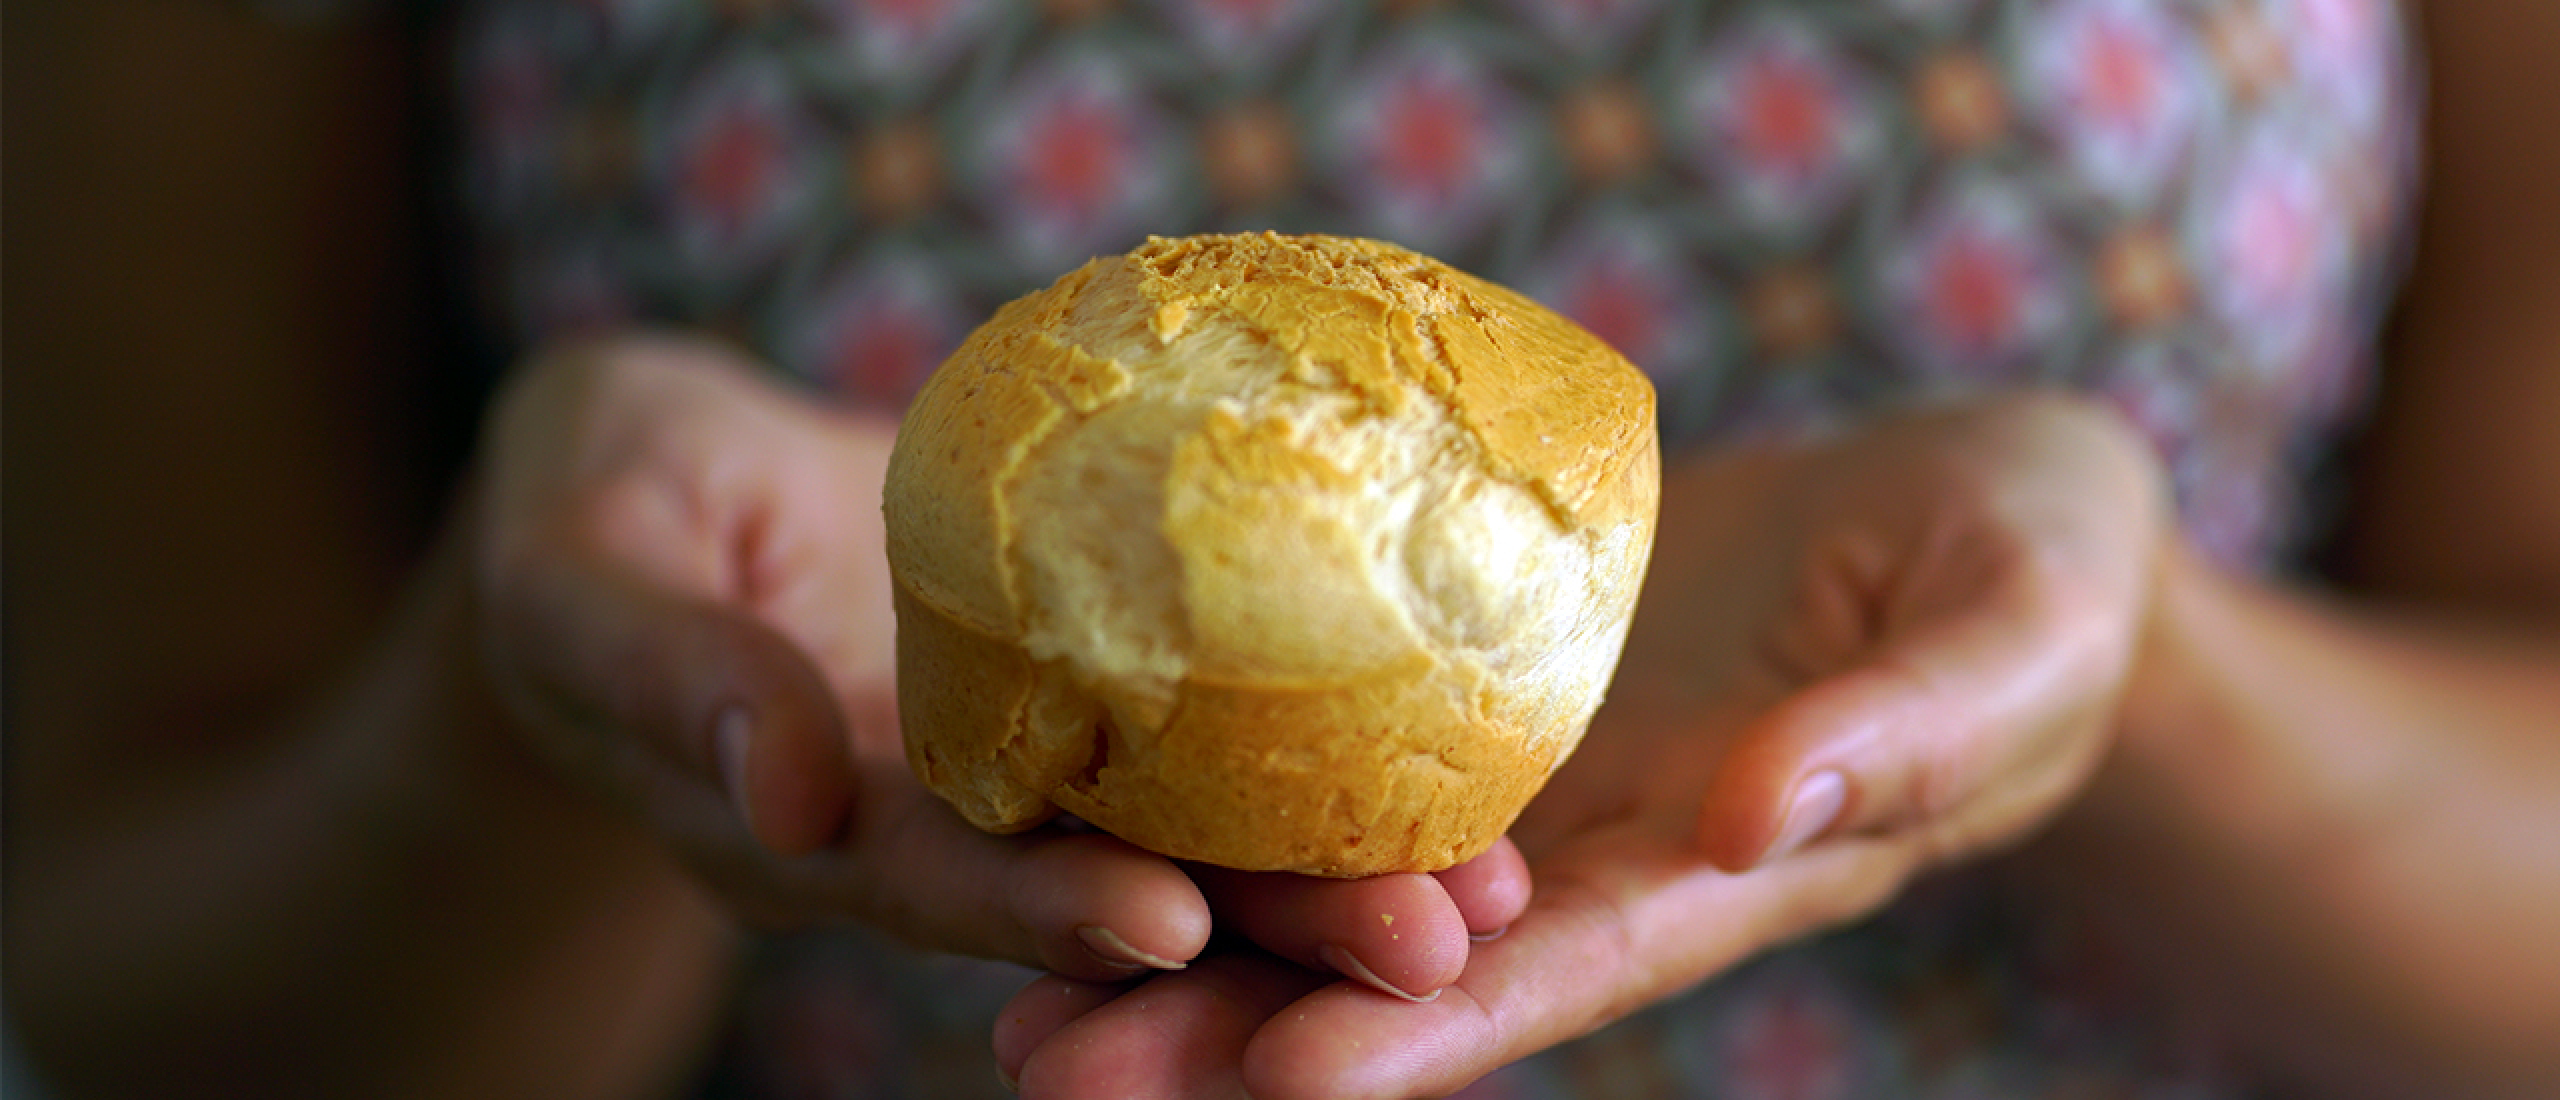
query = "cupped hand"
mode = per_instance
[
  {"x": 1853, "y": 661},
  {"x": 685, "y": 599}
]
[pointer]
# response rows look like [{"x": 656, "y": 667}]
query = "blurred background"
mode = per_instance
[
  {"x": 230, "y": 411},
  {"x": 216, "y": 217}
]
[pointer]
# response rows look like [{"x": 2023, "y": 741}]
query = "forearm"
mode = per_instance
[
  {"x": 389, "y": 899},
  {"x": 2340, "y": 831}
]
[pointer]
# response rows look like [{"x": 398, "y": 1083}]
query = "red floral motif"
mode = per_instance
[
  {"x": 1429, "y": 135},
  {"x": 884, "y": 356},
  {"x": 1783, "y": 117},
  {"x": 1975, "y": 283},
  {"x": 2124, "y": 76},
  {"x": 2272, "y": 236},
  {"x": 1425, "y": 144},
  {"x": 1074, "y": 157},
  {"x": 1076, "y": 163},
  {"x": 735, "y": 163},
  {"x": 1631, "y": 292},
  {"x": 873, "y": 335},
  {"x": 1975, "y": 291},
  {"x": 739, "y": 167},
  {"x": 2273, "y": 255},
  {"x": 1613, "y": 300},
  {"x": 2115, "y": 83},
  {"x": 1785, "y": 122}
]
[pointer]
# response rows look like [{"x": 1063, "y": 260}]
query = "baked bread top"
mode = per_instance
[{"x": 1293, "y": 553}]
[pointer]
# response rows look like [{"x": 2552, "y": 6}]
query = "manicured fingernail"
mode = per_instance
[
  {"x": 1116, "y": 952},
  {"x": 729, "y": 736},
  {"x": 1488, "y": 937},
  {"x": 1815, "y": 808},
  {"x": 1350, "y": 966}
]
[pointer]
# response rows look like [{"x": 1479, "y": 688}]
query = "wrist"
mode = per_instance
[
  {"x": 2195, "y": 766},
  {"x": 2166, "y": 703}
]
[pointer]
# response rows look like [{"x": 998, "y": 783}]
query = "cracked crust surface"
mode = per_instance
[{"x": 1280, "y": 553}]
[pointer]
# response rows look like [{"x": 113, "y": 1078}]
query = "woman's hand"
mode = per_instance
[
  {"x": 1852, "y": 662},
  {"x": 686, "y": 600}
]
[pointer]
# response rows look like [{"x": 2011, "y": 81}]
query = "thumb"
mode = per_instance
[
  {"x": 1967, "y": 729},
  {"x": 676, "y": 702}
]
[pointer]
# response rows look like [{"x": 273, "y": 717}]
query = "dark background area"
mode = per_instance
[{"x": 235, "y": 395}]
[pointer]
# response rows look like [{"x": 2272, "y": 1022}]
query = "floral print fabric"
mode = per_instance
[{"x": 1788, "y": 212}]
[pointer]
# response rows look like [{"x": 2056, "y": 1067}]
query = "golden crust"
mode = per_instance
[
  {"x": 1282, "y": 553},
  {"x": 962, "y": 698},
  {"x": 1408, "y": 775},
  {"x": 1547, "y": 401}
]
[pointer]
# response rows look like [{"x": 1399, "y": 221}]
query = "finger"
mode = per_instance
[
  {"x": 1176, "y": 1036},
  {"x": 1400, "y": 935},
  {"x": 630, "y": 678},
  {"x": 1641, "y": 921},
  {"x": 1089, "y": 906},
  {"x": 1050, "y": 1002},
  {"x": 1978, "y": 714},
  {"x": 1105, "y": 910},
  {"x": 1490, "y": 890}
]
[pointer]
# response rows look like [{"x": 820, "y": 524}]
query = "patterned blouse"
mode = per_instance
[{"x": 1789, "y": 212}]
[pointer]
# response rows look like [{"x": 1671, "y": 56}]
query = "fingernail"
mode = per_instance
[
  {"x": 729, "y": 736},
  {"x": 1006, "y": 1079},
  {"x": 1489, "y": 937},
  {"x": 1815, "y": 808},
  {"x": 1350, "y": 966},
  {"x": 1114, "y": 951}
]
